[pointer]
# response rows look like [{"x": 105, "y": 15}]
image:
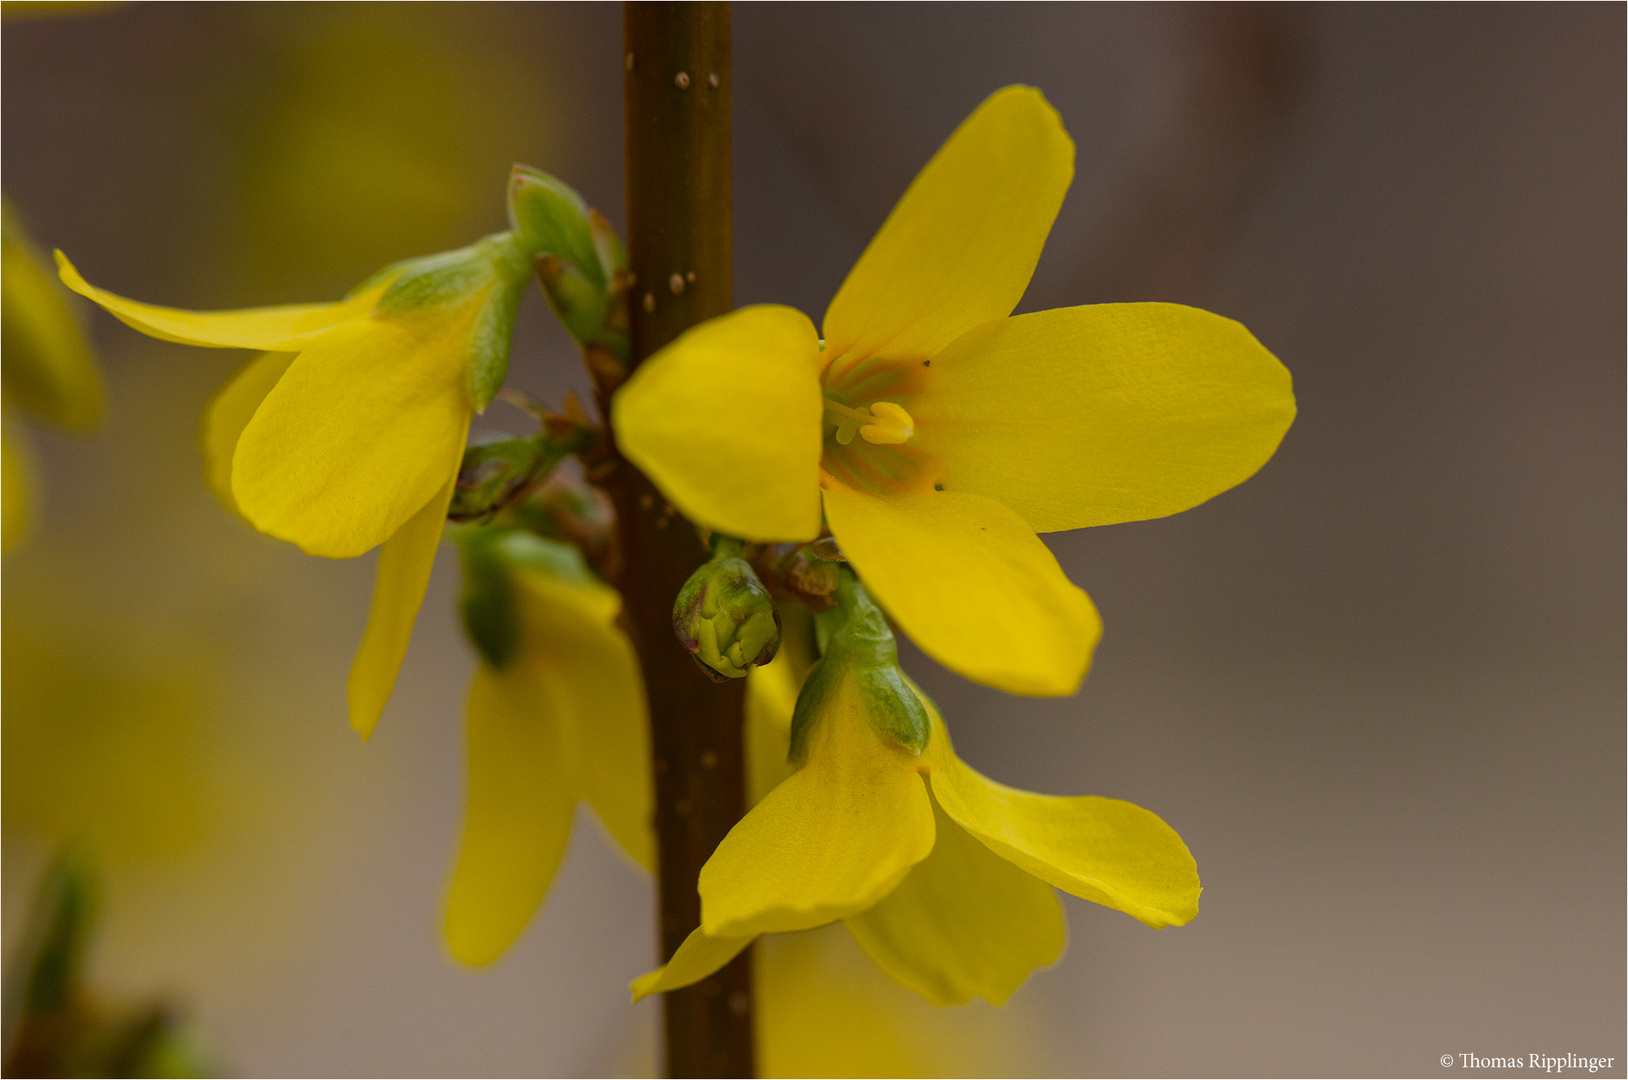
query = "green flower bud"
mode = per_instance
[
  {"x": 580, "y": 262},
  {"x": 726, "y": 618},
  {"x": 552, "y": 219},
  {"x": 859, "y": 651},
  {"x": 492, "y": 473},
  {"x": 579, "y": 303}
]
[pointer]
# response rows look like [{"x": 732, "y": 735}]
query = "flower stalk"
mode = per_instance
[{"x": 676, "y": 71}]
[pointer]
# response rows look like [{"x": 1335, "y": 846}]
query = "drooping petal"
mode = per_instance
[
  {"x": 569, "y": 631},
  {"x": 726, "y": 421},
  {"x": 971, "y": 584},
  {"x": 399, "y": 582},
  {"x": 961, "y": 245},
  {"x": 521, "y": 796},
  {"x": 364, "y": 427},
  {"x": 699, "y": 956},
  {"x": 964, "y": 923},
  {"x": 1105, "y": 413},
  {"x": 1106, "y": 850},
  {"x": 833, "y": 839},
  {"x": 284, "y": 328},
  {"x": 229, "y": 412}
]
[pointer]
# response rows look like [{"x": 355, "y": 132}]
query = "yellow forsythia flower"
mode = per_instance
[
  {"x": 560, "y": 720},
  {"x": 348, "y": 432},
  {"x": 47, "y": 368},
  {"x": 937, "y": 434},
  {"x": 947, "y": 884}
]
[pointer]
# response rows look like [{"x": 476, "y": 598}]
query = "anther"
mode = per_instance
[
  {"x": 712, "y": 80},
  {"x": 676, "y": 283},
  {"x": 649, "y": 302},
  {"x": 690, "y": 277},
  {"x": 885, "y": 423},
  {"x": 682, "y": 80}
]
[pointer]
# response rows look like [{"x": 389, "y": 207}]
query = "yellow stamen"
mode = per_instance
[{"x": 885, "y": 422}]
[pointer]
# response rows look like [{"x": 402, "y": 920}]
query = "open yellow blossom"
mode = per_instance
[
  {"x": 937, "y": 434},
  {"x": 347, "y": 432},
  {"x": 561, "y": 719},
  {"x": 943, "y": 876}
]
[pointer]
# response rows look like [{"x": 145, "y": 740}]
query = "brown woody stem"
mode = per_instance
[{"x": 677, "y": 87}]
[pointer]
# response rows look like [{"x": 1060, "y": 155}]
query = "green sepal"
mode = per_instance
[
  {"x": 490, "y": 340},
  {"x": 491, "y": 558},
  {"x": 857, "y": 645},
  {"x": 491, "y": 272},
  {"x": 552, "y": 219},
  {"x": 579, "y": 303},
  {"x": 436, "y": 282},
  {"x": 491, "y": 616}
]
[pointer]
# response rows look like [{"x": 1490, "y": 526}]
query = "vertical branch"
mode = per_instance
[{"x": 677, "y": 87}]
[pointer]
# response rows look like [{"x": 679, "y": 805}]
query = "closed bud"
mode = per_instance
[
  {"x": 552, "y": 219},
  {"x": 726, "y": 618},
  {"x": 492, "y": 474}
]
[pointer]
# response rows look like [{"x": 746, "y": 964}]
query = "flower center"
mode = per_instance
[{"x": 884, "y": 423}]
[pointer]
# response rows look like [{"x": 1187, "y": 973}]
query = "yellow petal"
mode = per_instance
[
  {"x": 699, "y": 956},
  {"x": 1111, "y": 412},
  {"x": 726, "y": 422},
  {"x": 399, "y": 582},
  {"x": 49, "y": 369},
  {"x": 569, "y": 632},
  {"x": 965, "y": 923},
  {"x": 771, "y": 697},
  {"x": 971, "y": 584},
  {"x": 229, "y": 413},
  {"x": 519, "y": 811},
  {"x": 1105, "y": 850},
  {"x": 365, "y": 426},
  {"x": 18, "y": 484},
  {"x": 284, "y": 328},
  {"x": 962, "y": 243},
  {"x": 838, "y": 835}
]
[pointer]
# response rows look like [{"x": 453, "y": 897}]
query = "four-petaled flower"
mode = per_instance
[
  {"x": 348, "y": 432},
  {"x": 937, "y": 434},
  {"x": 942, "y": 875}
]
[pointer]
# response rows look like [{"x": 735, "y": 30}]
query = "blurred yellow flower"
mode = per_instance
[
  {"x": 48, "y": 370},
  {"x": 945, "y": 884},
  {"x": 937, "y": 434},
  {"x": 557, "y": 716},
  {"x": 348, "y": 432}
]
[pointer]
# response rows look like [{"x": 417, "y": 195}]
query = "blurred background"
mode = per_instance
[{"x": 1379, "y": 689}]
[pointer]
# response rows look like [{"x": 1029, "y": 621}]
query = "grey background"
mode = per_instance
[{"x": 1379, "y": 688}]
